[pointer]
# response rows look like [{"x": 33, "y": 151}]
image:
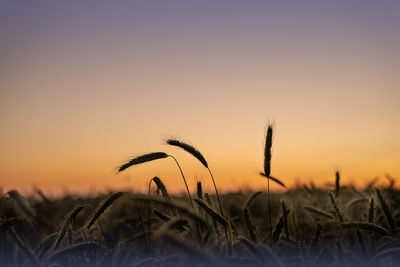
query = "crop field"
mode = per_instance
[
  {"x": 338, "y": 225},
  {"x": 132, "y": 230}
]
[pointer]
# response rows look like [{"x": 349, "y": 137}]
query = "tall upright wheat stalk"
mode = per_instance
[{"x": 267, "y": 172}]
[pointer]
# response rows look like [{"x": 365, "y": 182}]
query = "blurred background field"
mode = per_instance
[{"x": 312, "y": 234}]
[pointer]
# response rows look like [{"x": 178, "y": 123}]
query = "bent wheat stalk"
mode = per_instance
[
  {"x": 109, "y": 201},
  {"x": 142, "y": 159},
  {"x": 335, "y": 207},
  {"x": 196, "y": 153},
  {"x": 67, "y": 223},
  {"x": 385, "y": 209},
  {"x": 150, "y": 157}
]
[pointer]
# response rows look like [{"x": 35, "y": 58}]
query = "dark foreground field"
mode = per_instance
[{"x": 310, "y": 227}]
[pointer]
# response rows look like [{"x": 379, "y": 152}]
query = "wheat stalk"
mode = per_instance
[
  {"x": 385, "y": 209},
  {"x": 196, "y": 153},
  {"x": 335, "y": 207},
  {"x": 199, "y": 190},
  {"x": 176, "y": 223},
  {"x": 315, "y": 240},
  {"x": 170, "y": 204},
  {"x": 45, "y": 245},
  {"x": 285, "y": 220},
  {"x": 188, "y": 148},
  {"x": 161, "y": 215},
  {"x": 267, "y": 172},
  {"x": 67, "y": 222},
  {"x": 161, "y": 187},
  {"x": 150, "y": 157},
  {"x": 24, "y": 249},
  {"x": 277, "y": 230},
  {"x": 142, "y": 159},
  {"x": 371, "y": 211},
  {"x": 212, "y": 213},
  {"x": 337, "y": 184},
  {"x": 109, "y": 201},
  {"x": 250, "y": 225}
]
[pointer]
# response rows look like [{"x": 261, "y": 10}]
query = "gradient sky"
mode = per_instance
[{"x": 86, "y": 85}]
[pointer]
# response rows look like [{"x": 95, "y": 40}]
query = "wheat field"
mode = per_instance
[{"x": 338, "y": 225}]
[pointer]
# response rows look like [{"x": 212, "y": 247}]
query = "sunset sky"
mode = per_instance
[{"x": 85, "y": 85}]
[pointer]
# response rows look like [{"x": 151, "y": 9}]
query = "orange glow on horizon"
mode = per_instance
[{"x": 79, "y": 96}]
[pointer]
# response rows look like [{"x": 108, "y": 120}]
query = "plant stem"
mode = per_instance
[
  {"x": 220, "y": 208},
  {"x": 269, "y": 211},
  {"x": 184, "y": 180},
  {"x": 216, "y": 191}
]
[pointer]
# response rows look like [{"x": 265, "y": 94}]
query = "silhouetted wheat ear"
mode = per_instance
[
  {"x": 45, "y": 245},
  {"x": 337, "y": 184},
  {"x": 188, "y": 148},
  {"x": 142, "y": 159},
  {"x": 250, "y": 225},
  {"x": 385, "y": 209},
  {"x": 75, "y": 213},
  {"x": 371, "y": 210},
  {"x": 109, "y": 201},
  {"x": 161, "y": 187},
  {"x": 199, "y": 190},
  {"x": 212, "y": 213},
  {"x": 267, "y": 152},
  {"x": 277, "y": 230},
  {"x": 335, "y": 207},
  {"x": 161, "y": 215},
  {"x": 66, "y": 224},
  {"x": 196, "y": 153}
]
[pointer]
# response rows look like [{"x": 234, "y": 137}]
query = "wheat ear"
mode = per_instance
[
  {"x": 197, "y": 154},
  {"x": 109, "y": 201},
  {"x": 385, "y": 209}
]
